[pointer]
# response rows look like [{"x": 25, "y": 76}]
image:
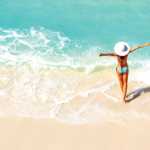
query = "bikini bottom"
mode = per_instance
[{"x": 122, "y": 70}]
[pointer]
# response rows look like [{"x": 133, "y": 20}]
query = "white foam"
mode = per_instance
[
  {"x": 46, "y": 47},
  {"x": 115, "y": 99}
]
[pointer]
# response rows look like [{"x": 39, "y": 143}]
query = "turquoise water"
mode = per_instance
[
  {"x": 49, "y": 55},
  {"x": 87, "y": 25}
]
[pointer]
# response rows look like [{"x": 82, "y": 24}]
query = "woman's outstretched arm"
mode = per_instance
[
  {"x": 108, "y": 54},
  {"x": 133, "y": 49}
]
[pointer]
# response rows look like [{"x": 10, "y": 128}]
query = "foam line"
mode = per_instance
[{"x": 115, "y": 99}]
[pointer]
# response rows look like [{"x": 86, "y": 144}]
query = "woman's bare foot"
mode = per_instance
[{"x": 124, "y": 101}]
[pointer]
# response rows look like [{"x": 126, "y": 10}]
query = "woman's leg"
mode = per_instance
[
  {"x": 120, "y": 77},
  {"x": 125, "y": 82}
]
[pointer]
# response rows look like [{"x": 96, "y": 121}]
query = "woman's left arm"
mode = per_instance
[{"x": 133, "y": 49}]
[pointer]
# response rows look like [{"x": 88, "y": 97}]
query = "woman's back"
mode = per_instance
[{"x": 122, "y": 61}]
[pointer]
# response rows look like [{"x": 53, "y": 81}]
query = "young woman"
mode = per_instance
[{"x": 122, "y": 50}]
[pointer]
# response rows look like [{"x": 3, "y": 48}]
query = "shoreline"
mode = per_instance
[{"x": 94, "y": 106}]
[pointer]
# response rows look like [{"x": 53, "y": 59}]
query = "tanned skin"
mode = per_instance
[{"x": 122, "y": 62}]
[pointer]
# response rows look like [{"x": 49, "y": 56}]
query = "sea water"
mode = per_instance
[{"x": 49, "y": 55}]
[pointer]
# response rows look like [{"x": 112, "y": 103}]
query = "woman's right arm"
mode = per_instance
[
  {"x": 133, "y": 49},
  {"x": 108, "y": 54}
]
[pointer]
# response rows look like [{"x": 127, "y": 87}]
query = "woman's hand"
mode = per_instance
[
  {"x": 147, "y": 44},
  {"x": 100, "y": 54}
]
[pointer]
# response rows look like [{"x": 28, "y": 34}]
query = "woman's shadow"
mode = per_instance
[{"x": 137, "y": 93}]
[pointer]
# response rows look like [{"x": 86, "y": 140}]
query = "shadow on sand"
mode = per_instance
[{"x": 137, "y": 93}]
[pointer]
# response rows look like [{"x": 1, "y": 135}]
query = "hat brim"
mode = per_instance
[{"x": 127, "y": 49}]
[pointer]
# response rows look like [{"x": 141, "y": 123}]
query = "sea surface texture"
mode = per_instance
[{"x": 49, "y": 57}]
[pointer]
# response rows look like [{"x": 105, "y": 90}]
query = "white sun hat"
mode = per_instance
[{"x": 122, "y": 48}]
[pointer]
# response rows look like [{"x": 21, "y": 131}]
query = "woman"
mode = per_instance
[{"x": 122, "y": 50}]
